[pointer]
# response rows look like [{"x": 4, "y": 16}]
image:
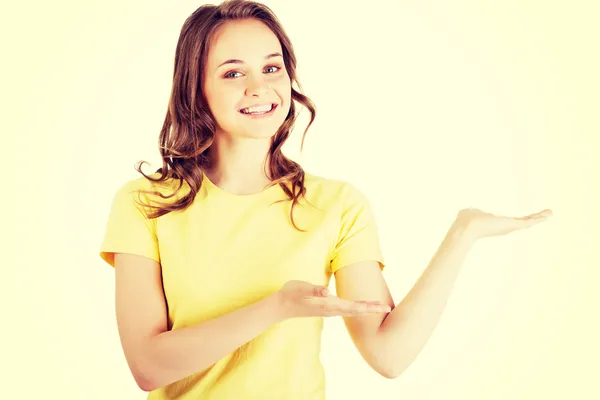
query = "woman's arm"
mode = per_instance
[
  {"x": 406, "y": 330},
  {"x": 391, "y": 345},
  {"x": 157, "y": 356}
]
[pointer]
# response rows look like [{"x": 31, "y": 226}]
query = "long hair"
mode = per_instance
[{"x": 189, "y": 127}]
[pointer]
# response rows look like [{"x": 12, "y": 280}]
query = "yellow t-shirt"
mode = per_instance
[{"x": 227, "y": 251}]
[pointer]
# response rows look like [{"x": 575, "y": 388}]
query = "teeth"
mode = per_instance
[{"x": 263, "y": 108}]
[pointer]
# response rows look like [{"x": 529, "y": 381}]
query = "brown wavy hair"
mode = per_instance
[{"x": 189, "y": 127}]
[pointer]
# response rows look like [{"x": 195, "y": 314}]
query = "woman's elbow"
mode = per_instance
[
  {"x": 143, "y": 376},
  {"x": 144, "y": 383}
]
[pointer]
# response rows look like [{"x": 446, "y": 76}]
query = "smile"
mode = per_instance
[{"x": 261, "y": 113}]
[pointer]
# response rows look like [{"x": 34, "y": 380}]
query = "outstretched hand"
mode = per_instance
[
  {"x": 303, "y": 299},
  {"x": 481, "y": 224}
]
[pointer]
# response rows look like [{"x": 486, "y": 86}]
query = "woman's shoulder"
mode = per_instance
[{"x": 330, "y": 191}]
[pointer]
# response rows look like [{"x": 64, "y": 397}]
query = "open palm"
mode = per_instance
[{"x": 482, "y": 224}]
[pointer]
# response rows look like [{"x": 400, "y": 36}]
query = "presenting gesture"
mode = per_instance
[
  {"x": 480, "y": 224},
  {"x": 303, "y": 299}
]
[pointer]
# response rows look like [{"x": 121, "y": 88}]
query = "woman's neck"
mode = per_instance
[{"x": 238, "y": 165}]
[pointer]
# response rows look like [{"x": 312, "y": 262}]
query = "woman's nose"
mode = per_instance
[{"x": 257, "y": 86}]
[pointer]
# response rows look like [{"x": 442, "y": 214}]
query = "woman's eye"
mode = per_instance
[
  {"x": 274, "y": 66},
  {"x": 229, "y": 74}
]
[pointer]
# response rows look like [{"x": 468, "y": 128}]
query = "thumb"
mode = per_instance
[{"x": 320, "y": 291}]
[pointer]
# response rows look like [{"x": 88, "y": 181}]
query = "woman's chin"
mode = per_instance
[
  {"x": 266, "y": 134},
  {"x": 258, "y": 132}
]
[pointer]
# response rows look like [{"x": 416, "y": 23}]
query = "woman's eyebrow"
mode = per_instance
[{"x": 236, "y": 61}]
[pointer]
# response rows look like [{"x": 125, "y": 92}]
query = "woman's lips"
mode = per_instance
[{"x": 261, "y": 115}]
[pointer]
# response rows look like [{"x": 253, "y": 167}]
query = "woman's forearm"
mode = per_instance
[
  {"x": 407, "y": 328},
  {"x": 177, "y": 354}
]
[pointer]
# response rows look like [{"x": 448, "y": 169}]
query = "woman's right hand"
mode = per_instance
[{"x": 303, "y": 299}]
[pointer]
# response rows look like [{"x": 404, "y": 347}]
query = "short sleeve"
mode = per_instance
[
  {"x": 127, "y": 229},
  {"x": 358, "y": 238}
]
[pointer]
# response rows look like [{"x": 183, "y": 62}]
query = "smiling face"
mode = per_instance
[{"x": 245, "y": 68}]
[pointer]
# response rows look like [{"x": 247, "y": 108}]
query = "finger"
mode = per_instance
[
  {"x": 337, "y": 306},
  {"x": 366, "y": 307},
  {"x": 374, "y": 303},
  {"x": 542, "y": 214},
  {"x": 378, "y": 306},
  {"x": 348, "y": 308},
  {"x": 533, "y": 219},
  {"x": 320, "y": 291},
  {"x": 523, "y": 223}
]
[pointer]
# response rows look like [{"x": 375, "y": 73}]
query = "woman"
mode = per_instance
[{"x": 223, "y": 256}]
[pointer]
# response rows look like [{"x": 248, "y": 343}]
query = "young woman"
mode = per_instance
[{"x": 223, "y": 256}]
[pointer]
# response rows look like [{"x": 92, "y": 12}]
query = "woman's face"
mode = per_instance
[{"x": 245, "y": 68}]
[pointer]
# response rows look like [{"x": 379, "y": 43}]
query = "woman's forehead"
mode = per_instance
[{"x": 247, "y": 42}]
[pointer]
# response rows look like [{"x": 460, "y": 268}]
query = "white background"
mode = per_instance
[{"x": 428, "y": 107}]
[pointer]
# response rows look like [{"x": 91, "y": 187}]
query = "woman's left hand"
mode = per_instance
[{"x": 480, "y": 224}]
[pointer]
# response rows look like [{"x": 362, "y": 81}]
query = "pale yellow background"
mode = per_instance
[{"x": 429, "y": 107}]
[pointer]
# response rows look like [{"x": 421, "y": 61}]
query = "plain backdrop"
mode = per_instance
[{"x": 428, "y": 107}]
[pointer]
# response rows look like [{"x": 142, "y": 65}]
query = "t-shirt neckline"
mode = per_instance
[{"x": 212, "y": 187}]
